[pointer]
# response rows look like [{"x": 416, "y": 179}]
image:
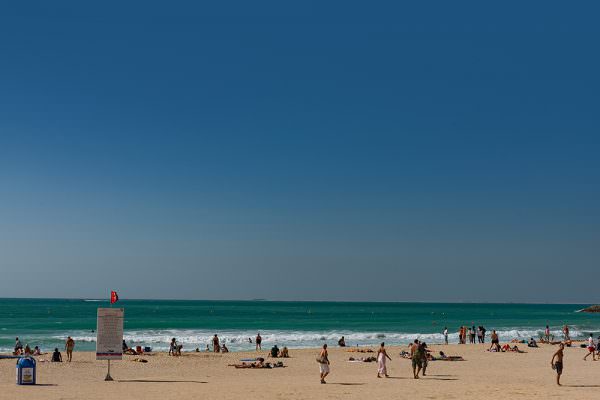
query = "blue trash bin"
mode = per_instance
[{"x": 26, "y": 371}]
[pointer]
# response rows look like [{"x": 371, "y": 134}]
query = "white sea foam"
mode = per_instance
[{"x": 238, "y": 340}]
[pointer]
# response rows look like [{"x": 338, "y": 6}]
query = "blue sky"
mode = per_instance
[{"x": 300, "y": 150}]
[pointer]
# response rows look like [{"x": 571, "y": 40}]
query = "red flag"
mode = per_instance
[{"x": 114, "y": 297}]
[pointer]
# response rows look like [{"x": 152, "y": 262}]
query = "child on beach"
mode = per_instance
[{"x": 591, "y": 348}]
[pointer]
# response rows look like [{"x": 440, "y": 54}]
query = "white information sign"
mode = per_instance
[{"x": 109, "y": 334}]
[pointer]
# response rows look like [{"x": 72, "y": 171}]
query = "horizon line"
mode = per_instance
[{"x": 302, "y": 301}]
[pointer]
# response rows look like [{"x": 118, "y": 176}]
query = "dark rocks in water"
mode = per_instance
[{"x": 591, "y": 309}]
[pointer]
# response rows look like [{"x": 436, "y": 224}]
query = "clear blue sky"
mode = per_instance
[{"x": 300, "y": 150}]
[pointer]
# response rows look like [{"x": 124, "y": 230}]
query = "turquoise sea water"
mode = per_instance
[{"x": 47, "y": 322}]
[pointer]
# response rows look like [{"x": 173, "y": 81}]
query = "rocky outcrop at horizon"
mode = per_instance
[{"x": 592, "y": 309}]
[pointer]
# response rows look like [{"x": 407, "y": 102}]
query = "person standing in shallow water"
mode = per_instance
[
  {"x": 258, "y": 341},
  {"x": 216, "y": 346},
  {"x": 558, "y": 365},
  {"x": 381, "y": 358},
  {"x": 446, "y": 334},
  {"x": 324, "y": 363}
]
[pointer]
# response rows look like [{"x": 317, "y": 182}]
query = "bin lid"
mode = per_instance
[{"x": 26, "y": 362}]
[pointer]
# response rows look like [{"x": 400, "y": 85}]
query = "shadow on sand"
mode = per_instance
[
  {"x": 582, "y": 386},
  {"x": 345, "y": 384},
  {"x": 156, "y": 381}
]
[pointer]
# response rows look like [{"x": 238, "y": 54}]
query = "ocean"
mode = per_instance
[{"x": 47, "y": 322}]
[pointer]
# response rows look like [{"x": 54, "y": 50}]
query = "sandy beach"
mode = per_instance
[{"x": 206, "y": 375}]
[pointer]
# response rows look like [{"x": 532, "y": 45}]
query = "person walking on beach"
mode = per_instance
[
  {"x": 69, "y": 346},
  {"x": 446, "y": 334},
  {"x": 173, "y": 347},
  {"x": 558, "y": 365},
  {"x": 566, "y": 333},
  {"x": 424, "y": 360},
  {"x": 323, "y": 363},
  {"x": 418, "y": 353},
  {"x": 258, "y": 341},
  {"x": 591, "y": 348},
  {"x": 381, "y": 358}
]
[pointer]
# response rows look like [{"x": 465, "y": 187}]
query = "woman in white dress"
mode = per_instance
[{"x": 381, "y": 359}]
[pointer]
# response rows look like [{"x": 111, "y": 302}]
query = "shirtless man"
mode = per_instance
[
  {"x": 69, "y": 346},
  {"x": 495, "y": 341},
  {"x": 324, "y": 363},
  {"x": 558, "y": 365}
]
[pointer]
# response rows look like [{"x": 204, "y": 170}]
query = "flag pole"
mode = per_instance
[{"x": 108, "y": 377}]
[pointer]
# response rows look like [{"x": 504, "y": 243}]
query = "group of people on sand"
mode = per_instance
[
  {"x": 468, "y": 333},
  {"x": 26, "y": 351}
]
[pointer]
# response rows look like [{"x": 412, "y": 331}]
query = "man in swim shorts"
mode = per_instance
[
  {"x": 558, "y": 365},
  {"x": 324, "y": 363}
]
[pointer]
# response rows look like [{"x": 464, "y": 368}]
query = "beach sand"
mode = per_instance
[{"x": 206, "y": 375}]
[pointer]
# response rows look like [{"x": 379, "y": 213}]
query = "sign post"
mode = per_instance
[{"x": 109, "y": 336}]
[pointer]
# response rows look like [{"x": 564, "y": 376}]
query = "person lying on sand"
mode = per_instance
[
  {"x": 363, "y": 359},
  {"x": 360, "y": 350},
  {"x": 444, "y": 357},
  {"x": 258, "y": 364},
  {"x": 515, "y": 348}
]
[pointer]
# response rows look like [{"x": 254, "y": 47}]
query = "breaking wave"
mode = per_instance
[{"x": 239, "y": 340}]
